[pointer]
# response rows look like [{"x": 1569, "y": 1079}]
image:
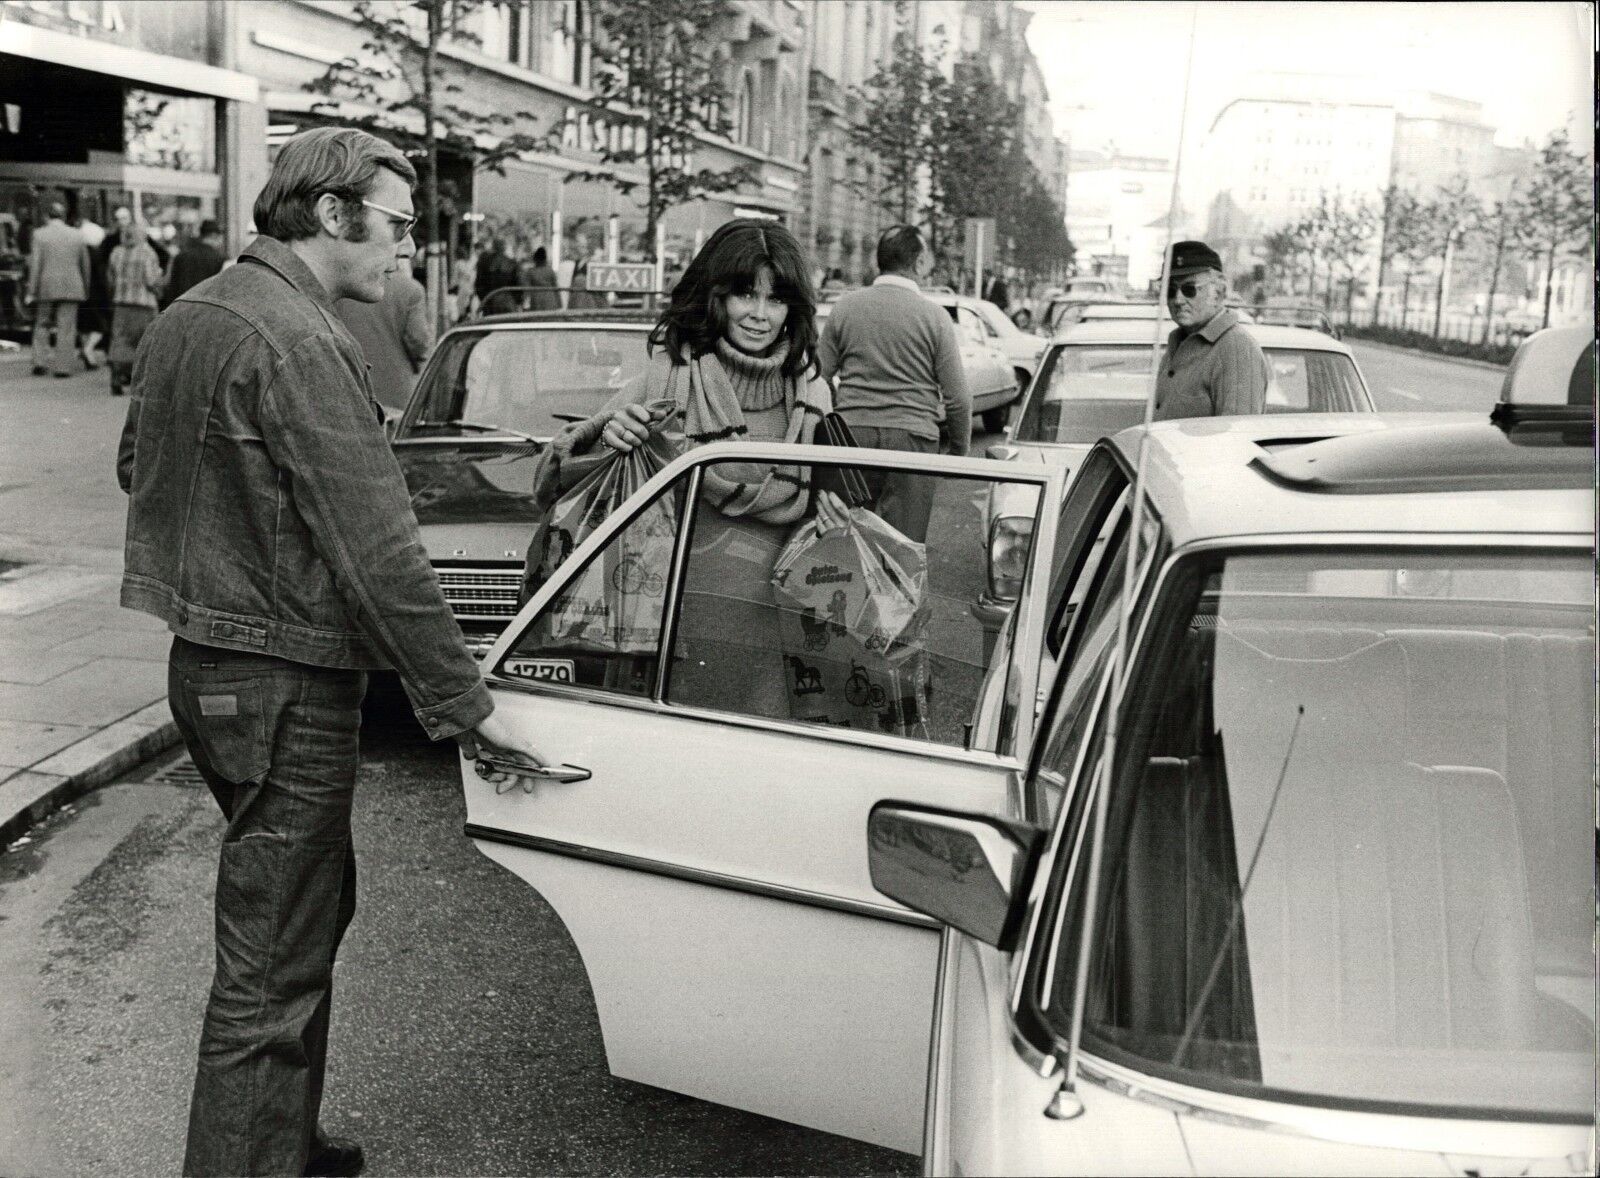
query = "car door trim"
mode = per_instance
[{"x": 698, "y": 875}]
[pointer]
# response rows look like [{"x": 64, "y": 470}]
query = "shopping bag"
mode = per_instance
[
  {"x": 867, "y": 580},
  {"x": 852, "y": 611},
  {"x": 615, "y": 604}
]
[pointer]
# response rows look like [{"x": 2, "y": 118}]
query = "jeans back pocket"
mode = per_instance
[{"x": 228, "y": 720}]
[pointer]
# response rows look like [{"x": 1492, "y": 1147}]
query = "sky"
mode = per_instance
[{"x": 1115, "y": 69}]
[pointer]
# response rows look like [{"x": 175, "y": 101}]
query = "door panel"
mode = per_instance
[{"x": 712, "y": 869}]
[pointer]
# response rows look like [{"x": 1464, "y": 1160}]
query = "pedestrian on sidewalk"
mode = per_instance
[
  {"x": 133, "y": 277},
  {"x": 270, "y": 528},
  {"x": 542, "y": 280},
  {"x": 96, "y": 316},
  {"x": 199, "y": 259},
  {"x": 58, "y": 283},
  {"x": 1211, "y": 367},
  {"x": 900, "y": 384}
]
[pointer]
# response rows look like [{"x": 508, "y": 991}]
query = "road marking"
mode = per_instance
[{"x": 1403, "y": 393}]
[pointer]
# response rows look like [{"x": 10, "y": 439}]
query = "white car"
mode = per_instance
[{"x": 1345, "y": 917}]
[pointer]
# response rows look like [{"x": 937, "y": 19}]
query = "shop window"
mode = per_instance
[{"x": 568, "y": 30}]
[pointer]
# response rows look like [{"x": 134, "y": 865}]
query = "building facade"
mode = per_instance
[
  {"x": 105, "y": 103},
  {"x": 1116, "y": 211}
]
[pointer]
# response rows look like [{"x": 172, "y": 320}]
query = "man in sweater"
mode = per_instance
[
  {"x": 897, "y": 367},
  {"x": 1211, "y": 368}
]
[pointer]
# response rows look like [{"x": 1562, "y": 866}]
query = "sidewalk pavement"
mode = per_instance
[{"x": 83, "y": 683}]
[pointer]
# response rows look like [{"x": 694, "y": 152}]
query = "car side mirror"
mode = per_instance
[
  {"x": 1002, "y": 452},
  {"x": 968, "y": 871}
]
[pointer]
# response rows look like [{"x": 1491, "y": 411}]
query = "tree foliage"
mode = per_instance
[
  {"x": 951, "y": 148},
  {"x": 659, "y": 88},
  {"x": 1555, "y": 211},
  {"x": 405, "y": 81}
]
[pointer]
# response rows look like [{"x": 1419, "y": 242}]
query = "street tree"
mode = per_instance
[
  {"x": 1417, "y": 235},
  {"x": 1285, "y": 259},
  {"x": 659, "y": 89},
  {"x": 1452, "y": 212},
  {"x": 1396, "y": 209},
  {"x": 900, "y": 110},
  {"x": 1555, "y": 211},
  {"x": 1494, "y": 228},
  {"x": 407, "y": 90},
  {"x": 976, "y": 167},
  {"x": 1348, "y": 223}
]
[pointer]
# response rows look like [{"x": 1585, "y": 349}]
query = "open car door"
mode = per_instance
[{"x": 704, "y": 834}]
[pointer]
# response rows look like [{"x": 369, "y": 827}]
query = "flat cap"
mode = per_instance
[{"x": 1192, "y": 257}]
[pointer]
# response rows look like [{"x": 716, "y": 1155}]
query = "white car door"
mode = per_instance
[
  {"x": 707, "y": 849},
  {"x": 988, "y": 371}
]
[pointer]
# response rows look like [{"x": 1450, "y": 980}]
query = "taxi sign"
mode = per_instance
[{"x": 628, "y": 277}]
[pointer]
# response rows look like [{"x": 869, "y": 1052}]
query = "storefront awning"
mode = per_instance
[{"x": 120, "y": 61}]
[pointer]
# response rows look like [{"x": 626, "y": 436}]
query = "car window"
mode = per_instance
[
  {"x": 533, "y": 381},
  {"x": 602, "y": 631},
  {"x": 1302, "y": 381},
  {"x": 1348, "y": 846},
  {"x": 870, "y": 629},
  {"x": 1084, "y": 393},
  {"x": 968, "y": 325}
]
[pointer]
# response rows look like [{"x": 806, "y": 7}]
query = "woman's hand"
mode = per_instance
[
  {"x": 628, "y": 428},
  {"x": 832, "y": 514}
]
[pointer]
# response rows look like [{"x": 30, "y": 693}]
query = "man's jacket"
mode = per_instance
[
  {"x": 266, "y": 511},
  {"x": 58, "y": 269}
]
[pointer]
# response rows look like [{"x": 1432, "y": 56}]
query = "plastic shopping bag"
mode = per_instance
[
  {"x": 867, "y": 580},
  {"x": 851, "y": 612},
  {"x": 615, "y": 604}
]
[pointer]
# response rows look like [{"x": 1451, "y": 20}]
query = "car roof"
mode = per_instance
[
  {"x": 1358, "y": 474},
  {"x": 1137, "y": 331},
  {"x": 610, "y": 316}
]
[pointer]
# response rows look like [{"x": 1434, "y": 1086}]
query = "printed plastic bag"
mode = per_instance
[
  {"x": 867, "y": 581},
  {"x": 615, "y": 604},
  {"x": 852, "y": 609}
]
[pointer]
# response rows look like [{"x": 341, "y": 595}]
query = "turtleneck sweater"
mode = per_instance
[{"x": 760, "y": 385}]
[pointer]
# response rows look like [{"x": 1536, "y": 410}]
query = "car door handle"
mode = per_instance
[{"x": 486, "y": 765}]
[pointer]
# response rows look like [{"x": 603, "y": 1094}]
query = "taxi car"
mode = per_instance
[
  {"x": 1092, "y": 383},
  {"x": 493, "y": 394},
  {"x": 1343, "y": 909}
]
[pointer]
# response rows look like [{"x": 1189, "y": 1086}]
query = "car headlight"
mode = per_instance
[{"x": 1010, "y": 538}]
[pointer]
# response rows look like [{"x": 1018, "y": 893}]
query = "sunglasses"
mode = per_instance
[
  {"x": 1188, "y": 289},
  {"x": 399, "y": 222}
]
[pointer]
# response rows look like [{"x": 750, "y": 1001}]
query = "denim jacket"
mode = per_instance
[{"x": 266, "y": 511}]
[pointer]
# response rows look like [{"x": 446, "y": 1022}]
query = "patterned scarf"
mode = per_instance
[{"x": 772, "y": 493}]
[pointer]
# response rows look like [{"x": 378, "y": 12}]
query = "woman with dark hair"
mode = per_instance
[{"x": 733, "y": 355}]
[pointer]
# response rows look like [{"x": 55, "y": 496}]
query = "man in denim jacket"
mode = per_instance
[{"x": 269, "y": 526}]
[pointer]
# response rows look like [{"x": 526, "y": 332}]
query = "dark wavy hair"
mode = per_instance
[{"x": 728, "y": 264}]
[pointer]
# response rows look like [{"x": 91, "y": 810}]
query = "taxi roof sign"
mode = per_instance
[{"x": 623, "y": 277}]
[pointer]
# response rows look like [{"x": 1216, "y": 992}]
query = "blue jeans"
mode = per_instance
[{"x": 277, "y": 742}]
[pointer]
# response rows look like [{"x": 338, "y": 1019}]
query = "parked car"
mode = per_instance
[
  {"x": 991, "y": 378},
  {"x": 1093, "y": 382},
  {"x": 1022, "y": 348},
  {"x": 1343, "y": 916},
  {"x": 493, "y": 394}
]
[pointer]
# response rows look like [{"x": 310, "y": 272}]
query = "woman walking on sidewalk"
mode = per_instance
[{"x": 134, "y": 276}]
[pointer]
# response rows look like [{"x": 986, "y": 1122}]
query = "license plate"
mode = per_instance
[{"x": 539, "y": 670}]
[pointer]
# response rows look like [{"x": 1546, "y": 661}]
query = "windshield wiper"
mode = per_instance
[
  {"x": 1192, "y": 1022},
  {"x": 459, "y": 423}
]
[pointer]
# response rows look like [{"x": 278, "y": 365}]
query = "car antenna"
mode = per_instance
[{"x": 1066, "y": 1104}]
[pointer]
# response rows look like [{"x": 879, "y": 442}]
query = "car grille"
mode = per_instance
[{"x": 481, "y": 593}]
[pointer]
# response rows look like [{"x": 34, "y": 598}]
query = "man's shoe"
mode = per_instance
[
  {"x": 39, "y": 370},
  {"x": 62, "y": 375},
  {"x": 334, "y": 1157}
]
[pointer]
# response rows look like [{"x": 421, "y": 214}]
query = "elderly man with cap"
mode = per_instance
[{"x": 1211, "y": 368}]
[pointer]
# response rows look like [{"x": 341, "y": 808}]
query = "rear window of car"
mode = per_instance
[{"x": 532, "y": 381}]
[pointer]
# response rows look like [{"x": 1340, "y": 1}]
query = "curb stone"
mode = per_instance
[{"x": 96, "y": 760}]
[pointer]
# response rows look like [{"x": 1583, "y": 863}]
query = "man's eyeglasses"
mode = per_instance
[
  {"x": 400, "y": 222},
  {"x": 1188, "y": 289}
]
